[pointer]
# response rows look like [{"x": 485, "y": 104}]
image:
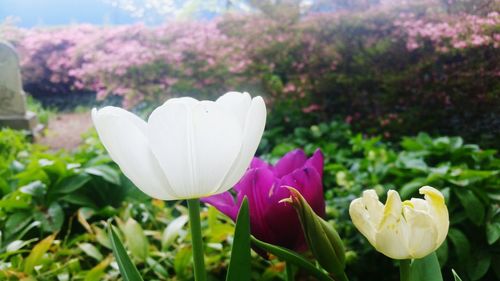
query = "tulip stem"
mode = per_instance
[
  {"x": 404, "y": 270},
  {"x": 196, "y": 239}
]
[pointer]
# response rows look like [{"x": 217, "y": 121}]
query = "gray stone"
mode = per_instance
[{"x": 12, "y": 97}]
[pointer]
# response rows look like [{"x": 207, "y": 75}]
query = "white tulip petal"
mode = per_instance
[
  {"x": 255, "y": 123},
  {"x": 123, "y": 135},
  {"x": 195, "y": 144},
  {"x": 392, "y": 235},
  {"x": 362, "y": 220},
  {"x": 236, "y": 103},
  {"x": 184, "y": 100},
  {"x": 218, "y": 141},
  {"x": 438, "y": 211},
  {"x": 422, "y": 232}
]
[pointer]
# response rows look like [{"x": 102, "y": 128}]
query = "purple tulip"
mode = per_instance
[{"x": 265, "y": 185}]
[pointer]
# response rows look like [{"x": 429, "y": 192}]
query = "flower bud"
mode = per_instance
[{"x": 322, "y": 239}]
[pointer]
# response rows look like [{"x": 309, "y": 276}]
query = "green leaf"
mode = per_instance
[
  {"x": 106, "y": 172},
  {"x": 71, "y": 184},
  {"x": 36, "y": 255},
  {"x": 16, "y": 222},
  {"x": 492, "y": 232},
  {"x": 127, "y": 268},
  {"x": 137, "y": 242},
  {"x": 91, "y": 251},
  {"x": 478, "y": 265},
  {"x": 36, "y": 188},
  {"x": 293, "y": 258},
  {"x": 460, "y": 243},
  {"x": 239, "y": 265},
  {"x": 411, "y": 188},
  {"x": 473, "y": 206},
  {"x": 426, "y": 268}
]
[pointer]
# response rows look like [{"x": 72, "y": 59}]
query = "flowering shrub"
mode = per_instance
[{"x": 376, "y": 68}]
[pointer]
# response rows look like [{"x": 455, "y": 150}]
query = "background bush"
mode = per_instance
[{"x": 389, "y": 70}]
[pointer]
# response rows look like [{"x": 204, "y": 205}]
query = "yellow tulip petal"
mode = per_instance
[
  {"x": 422, "y": 232},
  {"x": 438, "y": 211},
  {"x": 392, "y": 234},
  {"x": 361, "y": 219}
]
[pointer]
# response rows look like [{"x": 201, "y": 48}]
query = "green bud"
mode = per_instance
[{"x": 322, "y": 239}]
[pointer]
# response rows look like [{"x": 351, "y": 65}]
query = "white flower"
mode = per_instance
[
  {"x": 402, "y": 230},
  {"x": 188, "y": 148}
]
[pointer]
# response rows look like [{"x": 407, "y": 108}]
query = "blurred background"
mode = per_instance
[{"x": 398, "y": 94}]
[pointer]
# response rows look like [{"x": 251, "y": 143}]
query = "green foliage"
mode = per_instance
[
  {"x": 67, "y": 197},
  {"x": 466, "y": 174}
]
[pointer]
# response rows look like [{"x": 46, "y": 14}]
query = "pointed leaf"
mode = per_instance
[
  {"x": 37, "y": 253},
  {"x": 127, "y": 268},
  {"x": 239, "y": 266}
]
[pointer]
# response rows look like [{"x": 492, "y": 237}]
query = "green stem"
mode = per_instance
[
  {"x": 404, "y": 270},
  {"x": 289, "y": 272},
  {"x": 195, "y": 226}
]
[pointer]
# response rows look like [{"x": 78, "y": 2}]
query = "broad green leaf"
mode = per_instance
[
  {"x": 106, "y": 172},
  {"x": 97, "y": 272},
  {"x": 71, "y": 183},
  {"x": 16, "y": 222},
  {"x": 36, "y": 255},
  {"x": 127, "y": 268},
  {"x": 137, "y": 242},
  {"x": 478, "y": 265},
  {"x": 460, "y": 243},
  {"x": 239, "y": 265},
  {"x": 293, "y": 258},
  {"x": 492, "y": 232},
  {"x": 91, "y": 251},
  {"x": 51, "y": 220},
  {"x": 473, "y": 206},
  {"x": 36, "y": 188},
  {"x": 426, "y": 268},
  {"x": 411, "y": 188},
  {"x": 79, "y": 199}
]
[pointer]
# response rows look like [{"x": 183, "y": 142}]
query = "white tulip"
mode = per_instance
[
  {"x": 188, "y": 148},
  {"x": 402, "y": 230}
]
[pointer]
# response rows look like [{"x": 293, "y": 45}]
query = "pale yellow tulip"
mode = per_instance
[{"x": 402, "y": 230}]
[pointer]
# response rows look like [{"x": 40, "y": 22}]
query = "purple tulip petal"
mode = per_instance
[
  {"x": 316, "y": 161},
  {"x": 292, "y": 160},
  {"x": 264, "y": 186},
  {"x": 309, "y": 183},
  {"x": 284, "y": 222},
  {"x": 259, "y": 163},
  {"x": 256, "y": 186},
  {"x": 224, "y": 202}
]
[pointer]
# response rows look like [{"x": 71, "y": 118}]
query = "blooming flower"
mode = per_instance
[
  {"x": 188, "y": 148},
  {"x": 265, "y": 186},
  {"x": 402, "y": 230}
]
